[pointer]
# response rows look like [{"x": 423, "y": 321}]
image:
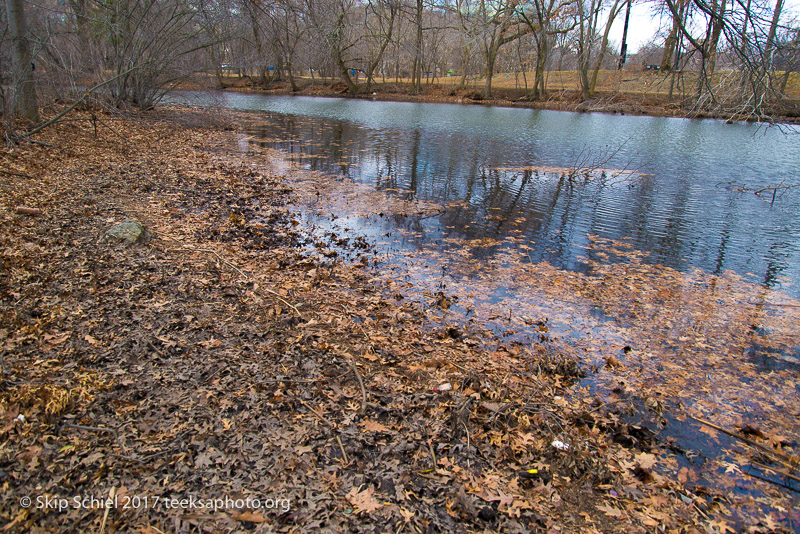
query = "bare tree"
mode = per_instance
[
  {"x": 589, "y": 13},
  {"x": 379, "y": 23},
  {"x": 501, "y": 25},
  {"x": 546, "y": 19},
  {"x": 288, "y": 27},
  {"x": 706, "y": 47},
  {"x": 332, "y": 20},
  {"x": 148, "y": 46}
]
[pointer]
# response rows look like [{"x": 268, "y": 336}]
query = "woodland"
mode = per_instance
[{"x": 730, "y": 58}]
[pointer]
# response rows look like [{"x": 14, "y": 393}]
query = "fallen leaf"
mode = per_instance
[
  {"x": 249, "y": 516},
  {"x": 363, "y": 501}
]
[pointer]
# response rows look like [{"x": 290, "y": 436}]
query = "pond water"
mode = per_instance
[
  {"x": 585, "y": 235},
  {"x": 491, "y": 165}
]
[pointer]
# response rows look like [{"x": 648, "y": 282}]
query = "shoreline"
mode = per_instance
[
  {"x": 229, "y": 355},
  {"x": 611, "y": 103}
]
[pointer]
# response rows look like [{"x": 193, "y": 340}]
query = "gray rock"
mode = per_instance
[{"x": 128, "y": 231}]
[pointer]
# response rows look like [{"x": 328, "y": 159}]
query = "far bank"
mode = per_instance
[{"x": 622, "y": 92}]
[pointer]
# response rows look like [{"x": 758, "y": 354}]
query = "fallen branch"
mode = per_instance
[
  {"x": 775, "y": 188},
  {"x": 242, "y": 274},
  {"x": 220, "y": 258},
  {"x": 767, "y": 479},
  {"x": 782, "y": 458},
  {"x": 772, "y": 304},
  {"x": 78, "y": 102}
]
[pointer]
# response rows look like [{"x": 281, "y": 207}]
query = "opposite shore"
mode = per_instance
[{"x": 645, "y": 99}]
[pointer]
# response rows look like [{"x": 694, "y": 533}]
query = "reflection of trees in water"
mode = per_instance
[{"x": 672, "y": 216}]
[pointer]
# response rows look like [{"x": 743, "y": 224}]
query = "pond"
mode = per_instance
[
  {"x": 684, "y": 203},
  {"x": 633, "y": 245}
]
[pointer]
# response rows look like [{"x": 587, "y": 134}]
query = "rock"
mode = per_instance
[{"x": 129, "y": 231}]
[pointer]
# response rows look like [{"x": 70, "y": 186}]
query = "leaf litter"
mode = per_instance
[{"x": 236, "y": 353}]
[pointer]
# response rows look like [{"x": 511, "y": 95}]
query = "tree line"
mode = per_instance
[{"x": 737, "y": 55}]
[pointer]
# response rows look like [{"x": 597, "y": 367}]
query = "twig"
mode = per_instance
[
  {"x": 782, "y": 473},
  {"x": 111, "y": 495},
  {"x": 448, "y": 362},
  {"x": 92, "y": 428},
  {"x": 786, "y": 460},
  {"x": 149, "y": 457},
  {"x": 280, "y": 298},
  {"x": 467, "y": 431},
  {"x": 128, "y": 141},
  {"x": 433, "y": 454},
  {"x": 150, "y": 344},
  {"x": 360, "y": 384},
  {"x": 22, "y": 210},
  {"x": 317, "y": 414},
  {"x": 344, "y": 453},
  {"x": 18, "y": 174},
  {"x": 143, "y": 459},
  {"x": 330, "y": 425}
]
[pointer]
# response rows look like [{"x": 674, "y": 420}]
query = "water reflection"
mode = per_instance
[
  {"x": 682, "y": 222},
  {"x": 486, "y": 166}
]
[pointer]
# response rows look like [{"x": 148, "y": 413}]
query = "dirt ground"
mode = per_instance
[{"x": 230, "y": 373}]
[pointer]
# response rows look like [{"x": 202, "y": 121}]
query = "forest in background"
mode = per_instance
[{"x": 731, "y": 58}]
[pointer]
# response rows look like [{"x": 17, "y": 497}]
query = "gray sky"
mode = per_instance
[{"x": 644, "y": 25}]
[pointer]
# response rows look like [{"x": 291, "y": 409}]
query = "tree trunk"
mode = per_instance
[
  {"x": 416, "y": 75},
  {"x": 292, "y": 81},
  {"x": 717, "y": 22},
  {"x": 603, "y": 47},
  {"x": 25, "y": 104},
  {"x": 462, "y": 83},
  {"x": 769, "y": 51},
  {"x": 623, "y": 53},
  {"x": 82, "y": 25},
  {"x": 262, "y": 69},
  {"x": 351, "y": 85},
  {"x": 387, "y": 37},
  {"x": 542, "y": 50},
  {"x": 672, "y": 41},
  {"x": 491, "y": 56},
  {"x": 584, "y": 47}
]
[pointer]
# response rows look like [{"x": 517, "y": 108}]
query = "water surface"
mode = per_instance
[{"x": 486, "y": 164}]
